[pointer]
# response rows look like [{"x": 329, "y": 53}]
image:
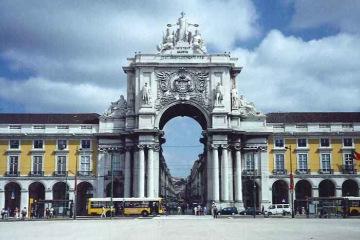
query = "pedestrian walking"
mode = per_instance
[
  {"x": 23, "y": 213},
  {"x": 103, "y": 212},
  {"x": 179, "y": 210},
  {"x": 205, "y": 210},
  {"x": 51, "y": 212},
  {"x": 195, "y": 210},
  {"x": 214, "y": 210},
  {"x": 17, "y": 213},
  {"x": 3, "y": 213}
]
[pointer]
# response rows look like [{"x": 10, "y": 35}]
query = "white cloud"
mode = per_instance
[
  {"x": 343, "y": 15},
  {"x": 86, "y": 43},
  {"x": 289, "y": 74},
  {"x": 39, "y": 95}
]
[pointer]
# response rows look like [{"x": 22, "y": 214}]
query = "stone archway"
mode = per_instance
[
  {"x": 37, "y": 193},
  {"x": 60, "y": 191},
  {"x": 84, "y": 191},
  {"x": 250, "y": 193},
  {"x": 303, "y": 191},
  {"x": 203, "y": 87},
  {"x": 280, "y": 192},
  {"x": 350, "y": 188},
  {"x": 12, "y": 197},
  {"x": 118, "y": 189},
  {"x": 326, "y": 188}
]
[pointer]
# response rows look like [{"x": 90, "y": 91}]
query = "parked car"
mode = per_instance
[
  {"x": 278, "y": 209},
  {"x": 229, "y": 211},
  {"x": 250, "y": 211}
]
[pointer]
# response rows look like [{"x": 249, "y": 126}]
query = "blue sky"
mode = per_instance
[{"x": 298, "y": 55}]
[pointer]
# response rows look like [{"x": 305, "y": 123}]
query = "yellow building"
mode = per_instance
[{"x": 317, "y": 149}]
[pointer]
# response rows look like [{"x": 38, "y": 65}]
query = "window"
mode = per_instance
[
  {"x": 324, "y": 142},
  {"x": 325, "y": 162},
  {"x": 62, "y": 144},
  {"x": 14, "y": 144},
  {"x": 61, "y": 163},
  {"x": 86, "y": 127},
  {"x": 15, "y": 127},
  {"x": 279, "y": 142},
  {"x": 250, "y": 162},
  {"x": 324, "y": 125},
  {"x": 85, "y": 163},
  {"x": 62, "y": 127},
  {"x": 301, "y": 126},
  {"x": 85, "y": 144},
  {"x": 301, "y": 142},
  {"x": 38, "y": 144},
  {"x": 302, "y": 162},
  {"x": 13, "y": 164},
  {"x": 39, "y": 126},
  {"x": 347, "y": 126},
  {"x": 348, "y": 142},
  {"x": 348, "y": 160},
  {"x": 37, "y": 164},
  {"x": 279, "y": 162}
]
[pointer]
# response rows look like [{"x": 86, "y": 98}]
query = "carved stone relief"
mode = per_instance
[{"x": 182, "y": 84}]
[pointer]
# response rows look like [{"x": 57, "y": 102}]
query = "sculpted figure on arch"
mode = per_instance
[
  {"x": 219, "y": 94},
  {"x": 146, "y": 91}
]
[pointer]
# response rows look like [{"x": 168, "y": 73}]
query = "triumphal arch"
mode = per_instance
[{"x": 183, "y": 79}]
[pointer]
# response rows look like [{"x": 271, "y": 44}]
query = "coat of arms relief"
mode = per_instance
[{"x": 183, "y": 85}]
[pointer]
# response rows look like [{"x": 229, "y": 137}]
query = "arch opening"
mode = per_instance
[
  {"x": 250, "y": 193},
  {"x": 183, "y": 110},
  {"x": 326, "y": 188},
  {"x": 84, "y": 191},
  {"x": 350, "y": 188},
  {"x": 303, "y": 191},
  {"x": 12, "y": 197},
  {"x": 280, "y": 192}
]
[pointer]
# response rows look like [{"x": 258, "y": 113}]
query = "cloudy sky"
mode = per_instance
[{"x": 66, "y": 56}]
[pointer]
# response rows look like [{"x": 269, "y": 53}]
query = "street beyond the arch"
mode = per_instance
[{"x": 184, "y": 227}]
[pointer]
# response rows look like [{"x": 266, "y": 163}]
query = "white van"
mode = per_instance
[{"x": 278, "y": 209}]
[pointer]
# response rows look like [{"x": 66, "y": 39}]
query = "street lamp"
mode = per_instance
[{"x": 291, "y": 184}]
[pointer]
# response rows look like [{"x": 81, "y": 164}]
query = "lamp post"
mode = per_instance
[
  {"x": 75, "y": 182},
  {"x": 112, "y": 183},
  {"x": 291, "y": 184}
]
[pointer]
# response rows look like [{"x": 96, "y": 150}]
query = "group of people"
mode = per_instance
[
  {"x": 199, "y": 210},
  {"x": 5, "y": 213}
]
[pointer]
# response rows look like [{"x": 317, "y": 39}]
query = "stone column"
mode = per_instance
[
  {"x": 315, "y": 192},
  {"x": 48, "y": 194},
  {"x": 224, "y": 174},
  {"x": 100, "y": 174},
  {"x": 150, "y": 172},
  {"x": 127, "y": 172},
  {"x": 230, "y": 176},
  {"x": 338, "y": 192},
  {"x": 215, "y": 175},
  {"x": 24, "y": 200},
  {"x": 135, "y": 174},
  {"x": 156, "y": 170},
  {"x": 141, "y": 176},
  {"x": 238, "y": 177},
  {"x": 2, "y": 199},
  {"x": 209, "y": 175},
  {"x": 265, "y": 180}
]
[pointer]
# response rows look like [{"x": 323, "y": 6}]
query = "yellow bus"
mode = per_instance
[
  {"x": 352, "y": 205},
  {"x": 125, "y": 206}
]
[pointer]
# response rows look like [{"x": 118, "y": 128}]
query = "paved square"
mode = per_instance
[{"x": 187, "y": 227}]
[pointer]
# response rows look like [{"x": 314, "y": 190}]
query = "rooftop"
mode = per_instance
[
  {"x": 313, "y": 117},
  {"x": 49, "y": 118}
]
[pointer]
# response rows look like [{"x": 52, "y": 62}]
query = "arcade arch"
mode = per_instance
[{"x": 12, "y": 197}]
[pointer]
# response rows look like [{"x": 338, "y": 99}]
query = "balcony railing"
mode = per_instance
[
  {"x": 279, "y": 172},
  {"x": 348, "y": 169},
  {"x": 326, "y": 171},
  {"x": 84, "y": 173},
  {"x": 36, "y": 173},
  {"x": 115, "y": 173},
  {"x": 302, "y": 171},
  {"x": 60, "y": 173},
  {"x": 249, "y": 172},
  {"x": 12, "y": 173}
]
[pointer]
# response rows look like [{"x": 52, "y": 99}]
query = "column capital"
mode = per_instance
[
  {"x": 214, "y": 146},
  {"x": 236, "y": 146},
  {"x": 140, "y": 146},
  {"x": 155, "y": 147},
  {"x": 225, "y": 146}
]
